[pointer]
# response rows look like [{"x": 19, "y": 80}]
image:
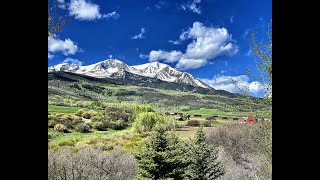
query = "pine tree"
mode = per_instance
[
  {"x": 161, "y": 157},
  {"x": 202, "y": 160},
  {"x": 175, "y": 157}
]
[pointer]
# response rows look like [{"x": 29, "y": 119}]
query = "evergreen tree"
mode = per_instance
[
  {"x": 202, "y": 160},
  {"x": 175, "y": 157},
  {"x": 161, "y": 157}
]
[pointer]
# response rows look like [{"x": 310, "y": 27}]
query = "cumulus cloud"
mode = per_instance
[
  {"x": 113, "y": 15},
  {"x": 140, "y": 35},
  {"x": 87, "y": 11},
  {"x": 66, "y": 47},
  {"x": 234, "y": 84},
  {"x": 73, "y": 61},
  {"x": 168, "y": 57},
  {"x": 185, "y": 63},
  {"x": 207, "y": 43},
  {"x": 192, "y": 6},
  {"x": 83, "y": 10}
]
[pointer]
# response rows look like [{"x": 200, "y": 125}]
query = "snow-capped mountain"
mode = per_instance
[{"x": 114, "y": 68}]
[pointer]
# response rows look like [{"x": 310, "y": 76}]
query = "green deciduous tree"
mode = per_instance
[{"x": 263, "y": 51}]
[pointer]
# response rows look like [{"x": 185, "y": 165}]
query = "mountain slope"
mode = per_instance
[
  {"x": 113, "y": 68},
  {"x": 127, "y": 78}
]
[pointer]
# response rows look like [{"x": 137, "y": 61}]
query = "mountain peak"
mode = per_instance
[
  {"x": 113, "y": 60},
  {"x": 115, "y": 68}
]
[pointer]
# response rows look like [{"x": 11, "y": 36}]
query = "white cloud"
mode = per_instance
[
  {"x": 175, "y": 42},
  {"x": 140, "y": 35},
  {"x": 185, "y": 63},
  {"x": 208, "y": 43},
  {"x": 66, "y": 47},
  {"x": 50, "y": 56},
  {"x": 73, "y": 61},
  {"x": 234, "y": 84},
  {"x": 231, "y": 19},
  {"x": 168, "y": 57},
  {"x": 143, "y": 56},
  {"x": 192, "y": 6},
  {"x": 113, "y": 15},
  {"x": 110, "y": 56},
  {"x": 88, "y": 11}
]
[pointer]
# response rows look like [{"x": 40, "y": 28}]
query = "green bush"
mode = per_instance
[
  {"x": 194, "y": 123},
  {"x": 170, "y": 123},
  {"x": 83, "y": 128},
  {"x": 119, "y": 113},
  {"x": 60, "y": 128},
  {"x": 86, "y": 115},
  {"x": 96, "y": 118},
  {"x": 210, "y": 118},
  {"x": 206, "y": 123},
  {"x": 79, "y": 112},
  {"x": 146, "y": 121},
  {"x": 118, "y": 125},
  {"x": 100, "y": 126}
]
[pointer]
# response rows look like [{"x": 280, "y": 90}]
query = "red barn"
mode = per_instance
[{"x": 249, "y": 119}]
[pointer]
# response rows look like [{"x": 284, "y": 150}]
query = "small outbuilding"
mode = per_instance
[{"x": 249, "y": 119}]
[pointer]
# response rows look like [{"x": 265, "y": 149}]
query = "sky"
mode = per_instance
[{"x": 207, "y": 38}]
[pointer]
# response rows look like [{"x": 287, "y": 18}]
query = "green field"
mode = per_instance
[
  {"x": 208, "y": 112},
  {"x": 65, "y": 109}
]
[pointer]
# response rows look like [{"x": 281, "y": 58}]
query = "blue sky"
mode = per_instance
[{"x": 207, "y": 38}]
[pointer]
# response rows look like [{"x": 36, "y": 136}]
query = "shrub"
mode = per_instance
[
  {"x": 210, "y": 118},
  {"x": 86, "y": 115},
  {"x": 194, "y": 123},
  {"x": 170, "y": 123},
  {"x": 246, "y": 149},
  {"x": 95, "y": 164},
  {"x": 119, "y": 113},
  {"x": 118, "y": 125},
  {"x": 96, "y": 119},
  {"x": 100, "y": 126},
  {"x": 206, "y": 123},
  {"x": 79, "y": 112},
  {"x": 146, "y": 121},
  {"x": 60, "y": 128},
  {"x": 83, "y": 128}
]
